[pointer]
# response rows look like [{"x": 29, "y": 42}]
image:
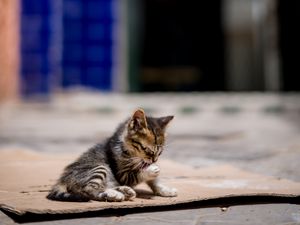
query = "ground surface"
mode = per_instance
[{"x": 256, "y": 132}]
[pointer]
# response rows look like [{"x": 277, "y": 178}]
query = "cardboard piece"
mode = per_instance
[{"x": 26, "y": 177}]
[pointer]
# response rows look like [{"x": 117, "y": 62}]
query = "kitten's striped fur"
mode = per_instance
[{"x": 110, "y": 171}]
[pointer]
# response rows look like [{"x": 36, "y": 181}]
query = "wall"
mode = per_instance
[{"x": 9, "y": 45}]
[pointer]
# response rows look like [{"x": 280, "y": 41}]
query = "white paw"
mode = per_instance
[
  {"x": 152, "y": 172},
  {"x": 128, "y": 192},
  {"x": 165, "y": 191},
  {"x": 111, "y": 195}
]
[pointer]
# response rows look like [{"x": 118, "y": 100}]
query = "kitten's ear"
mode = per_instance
[
  {"x": 138, "y": 121},
  {"x": 164, "y": 121}
]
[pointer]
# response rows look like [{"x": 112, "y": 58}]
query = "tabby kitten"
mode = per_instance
[{"x": 110, "y": 171}]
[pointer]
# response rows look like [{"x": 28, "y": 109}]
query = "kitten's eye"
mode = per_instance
[
  {"x": 135, "y": 143},
  {"x": 135, "y": 146}
]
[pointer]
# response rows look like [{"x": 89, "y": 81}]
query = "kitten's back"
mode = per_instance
[{"x": 66, "y": 189}]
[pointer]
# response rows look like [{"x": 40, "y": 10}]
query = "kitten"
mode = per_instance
[{"x": 110, "y": 171}]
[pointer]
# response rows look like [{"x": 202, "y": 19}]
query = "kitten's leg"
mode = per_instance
[
  {"x": 162, "y": 190},
  {"x": 128, "y": 192},
  {"x": 151, "y": 172},
  {"x": 117, "y": 194},
  {"x": 99, "y": 186},
  {"x": 150, "y": 176},
  {"x": 104, "y": 194},
  {"x": 111, "y": 195}
]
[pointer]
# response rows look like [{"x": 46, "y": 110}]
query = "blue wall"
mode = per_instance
[
  {"x": 87, "y": 53},
  {"x": 35, "y": 46},
  {"x": 66, "y": 43}
]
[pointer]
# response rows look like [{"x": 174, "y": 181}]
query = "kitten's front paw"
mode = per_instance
[
  {"x": 111, "y": 195},
  {"x": 128, "y": 192},
  {"x": 165, "y": 191},
  {"x": 152, "y": 172}
]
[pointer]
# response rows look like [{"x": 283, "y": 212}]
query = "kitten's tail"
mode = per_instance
[{"x": 59, "y": 193}]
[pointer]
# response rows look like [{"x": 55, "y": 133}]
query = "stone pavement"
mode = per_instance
[{"x": 257, "y": 132}]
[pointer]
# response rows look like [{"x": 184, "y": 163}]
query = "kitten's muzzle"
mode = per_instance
[{"x": 145, "y": 165}]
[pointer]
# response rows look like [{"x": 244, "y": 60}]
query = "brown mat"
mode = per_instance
[{"x": 27, "y": 176}]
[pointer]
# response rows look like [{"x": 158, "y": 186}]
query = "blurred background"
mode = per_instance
[
  {"x": 147, "y": 46},
  {"x": 72, "y": 70}
]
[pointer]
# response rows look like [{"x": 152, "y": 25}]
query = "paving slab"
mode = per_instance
[{"x": 257, "y": 132}]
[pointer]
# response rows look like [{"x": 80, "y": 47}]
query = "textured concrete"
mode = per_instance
[
  {"x": 256, "y": 132},
  {"x": 254, "y": 214}
]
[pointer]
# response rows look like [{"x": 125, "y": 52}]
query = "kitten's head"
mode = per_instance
[{"x": 146, "y": 136}]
